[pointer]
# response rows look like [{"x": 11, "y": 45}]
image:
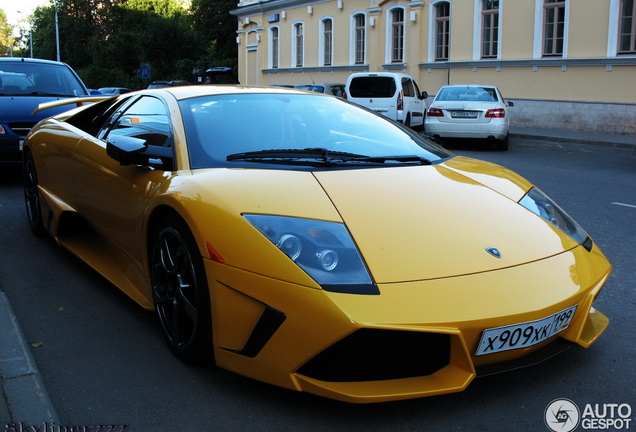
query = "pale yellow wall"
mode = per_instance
[
  {"x": 517, "y": 31},
  {"x": 589, "y": 22},
  {"x": 461, "y": 24}
]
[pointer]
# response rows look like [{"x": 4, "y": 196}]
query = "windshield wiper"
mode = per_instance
[{"x": 320, "y": 155}]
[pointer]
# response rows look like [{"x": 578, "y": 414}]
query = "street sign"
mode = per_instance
[{"x": 144, "y": 71}]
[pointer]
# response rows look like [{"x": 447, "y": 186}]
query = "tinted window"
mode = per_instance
[
  {"x": 147, "y": 118},
  {"x": 407, "y": 87},
  {"x": 372, "y": 87}
]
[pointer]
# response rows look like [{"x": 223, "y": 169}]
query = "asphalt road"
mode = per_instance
[{"x": 104, "y": 362}]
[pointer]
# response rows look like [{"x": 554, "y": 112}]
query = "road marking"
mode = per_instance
[{"x": 624, "y": 205}]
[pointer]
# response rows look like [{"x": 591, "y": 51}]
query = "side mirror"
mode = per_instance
[
  {"x": 424, "y": 95},
  {"x": 134, "y": 151},
  {"x": 510, "y": 103}
]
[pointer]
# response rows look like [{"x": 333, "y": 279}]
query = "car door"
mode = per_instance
[
  {"x": 412, "y": 102},
  {"x": 113, "y": 198}
]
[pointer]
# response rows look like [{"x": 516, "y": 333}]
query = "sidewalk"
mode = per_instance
[
  {"x": 23, "y": 397},
  {"x": 608, "y": 140}
]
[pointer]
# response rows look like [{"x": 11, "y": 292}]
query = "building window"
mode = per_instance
[
  {"x": 359, "y": 38},
  {"x": 553, "y": 27},
  {"x": 327, "y": 42},
  {"x": 298, "y": 44},
  {"x": 627, "y": 28},
  {"x": 442, "y": 31},
  {"x": 274, "y": 46},
  {"x": 490, "y": 28},
  {"x": 397, "y": 35}
]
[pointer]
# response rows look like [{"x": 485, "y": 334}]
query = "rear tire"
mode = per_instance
[
  {"x": 502, "y": 145},
  {"x": 180, "y": 291}
]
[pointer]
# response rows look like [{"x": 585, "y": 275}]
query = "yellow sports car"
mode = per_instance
[{"x": 306, "y": 242}]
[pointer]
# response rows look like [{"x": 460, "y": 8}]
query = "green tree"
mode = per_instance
[
  {"x": 106, "y": 41},
  {"x": 6, "y": 38},
  {"x": 217, "y": 29}
]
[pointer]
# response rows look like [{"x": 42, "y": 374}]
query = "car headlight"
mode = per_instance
[
  {"x": 324, "y": 250},
  {"x": 541, "y": 205}
]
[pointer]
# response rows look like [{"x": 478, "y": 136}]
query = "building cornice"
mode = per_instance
[
  {"x": 318, "y": 69},
  {"x": 268, "y": 6},
  {"x": 563, "y": 63}
]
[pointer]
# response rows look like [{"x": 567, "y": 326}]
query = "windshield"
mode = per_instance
[
  {"x": 39, "y": 79},
  {"x": 221, "y": 126}
]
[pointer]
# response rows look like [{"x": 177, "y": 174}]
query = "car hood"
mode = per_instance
[
  {"x": 20, "y": 108},
  {"x": 409, "y": 223},
  {"x": 433, "y": 222}
]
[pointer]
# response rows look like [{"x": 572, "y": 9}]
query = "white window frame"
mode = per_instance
[
  {"x": 432, "y": 28},
  {"x": 270, "y": 48},
  {"x": 537, "y": 50},
  {"x": 353, "y": 34},
  {"x": 389, "y": 35},
  {"x": 322, "y": 41},
  {"x": 294, "y": 44},
  {"x": 478, "y": 30}
]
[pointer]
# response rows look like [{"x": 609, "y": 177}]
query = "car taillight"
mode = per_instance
[
  {"x": 434, "y": 112},
  {"x": 496, "y": 113},
  {"x": 400, "y": 101}
]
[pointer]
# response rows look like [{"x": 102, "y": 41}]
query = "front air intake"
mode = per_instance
[{"x": 378, "y": 354}]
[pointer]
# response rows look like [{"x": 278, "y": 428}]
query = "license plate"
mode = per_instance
[
  {"x": 463, "y": 114},
  {"x": 21, "y": 144},
  {"x": 525, "y": 334}
]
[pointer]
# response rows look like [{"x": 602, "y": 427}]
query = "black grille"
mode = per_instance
[
  {"x": 377, "y": 354},
  {"x": 21, "y": 128}
]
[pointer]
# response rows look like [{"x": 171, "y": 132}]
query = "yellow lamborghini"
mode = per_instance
[{"x": 307, "y": 242}]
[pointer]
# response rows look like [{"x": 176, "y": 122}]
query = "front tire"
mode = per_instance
[
  {"x": 32, "y": 196},
  {"x": 180, "y": 292}
]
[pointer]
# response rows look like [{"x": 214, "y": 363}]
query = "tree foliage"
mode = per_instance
[
  {"x": 107, "y": 41},
  {"x": 6, "y": 40}
]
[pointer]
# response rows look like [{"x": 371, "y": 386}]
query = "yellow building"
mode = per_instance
[{"x": 568, "y": 64}]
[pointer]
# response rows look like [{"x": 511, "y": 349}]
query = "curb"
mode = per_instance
[
  {"x": 22, "y": 389},
  {"x": 620, "y": 141}
]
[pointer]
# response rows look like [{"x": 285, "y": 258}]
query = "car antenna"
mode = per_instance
[{"x": 312, "y": 78}]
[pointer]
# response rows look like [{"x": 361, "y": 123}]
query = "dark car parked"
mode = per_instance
[
  {"x": 159, "y": 84},
  {"x": 24, "y": 84}
]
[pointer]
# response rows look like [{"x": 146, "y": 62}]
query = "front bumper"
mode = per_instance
[{"x": 415, "y": 339}]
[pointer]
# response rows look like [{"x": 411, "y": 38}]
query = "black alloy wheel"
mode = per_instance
[
  {"x": 180, "y": 292},
  {"x": 32, "y": 196}
]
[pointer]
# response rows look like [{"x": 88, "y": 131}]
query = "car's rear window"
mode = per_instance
[
  {"x": 469, "y": 94},
  {"x": 372, "y": 87}
]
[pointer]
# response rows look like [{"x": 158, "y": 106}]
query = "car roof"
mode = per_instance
[
  {"x": 186, "y": 92},
  {"x": 469, "y": 85},
  {"x": 29, "y": 60}
]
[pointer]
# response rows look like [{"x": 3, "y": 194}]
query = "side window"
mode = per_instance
[
  {"x": 147, "y": 118},
  {"x": 407, "y": 87},
  {"x": 417, "y": 89}
]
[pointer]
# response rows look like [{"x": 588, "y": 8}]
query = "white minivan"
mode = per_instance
[{"x": 395, "y": 95}]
